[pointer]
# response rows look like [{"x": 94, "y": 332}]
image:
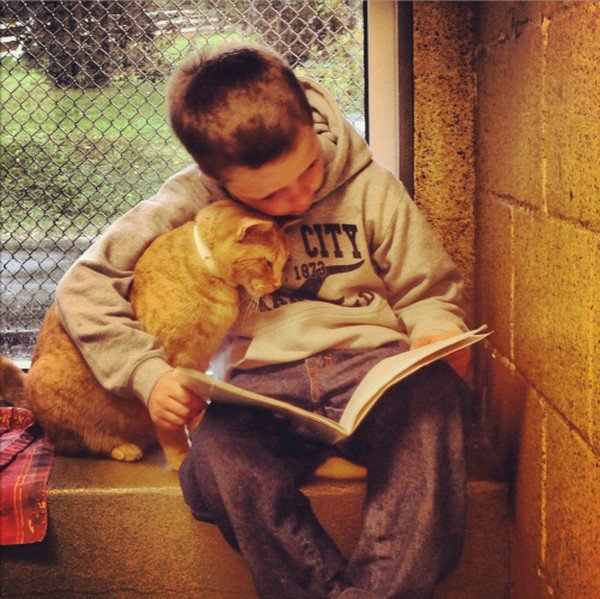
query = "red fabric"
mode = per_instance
[{"x": 25, "y": 465}]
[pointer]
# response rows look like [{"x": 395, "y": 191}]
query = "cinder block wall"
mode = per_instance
[
  {"x": 538, "y": 280},
  {"x": 444, "y": 104}
]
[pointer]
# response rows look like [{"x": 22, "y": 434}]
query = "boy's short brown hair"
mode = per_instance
[{"x": 236, "y": 105}]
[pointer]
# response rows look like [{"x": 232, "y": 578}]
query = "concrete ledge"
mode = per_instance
[{"x": 123, "y": 530}]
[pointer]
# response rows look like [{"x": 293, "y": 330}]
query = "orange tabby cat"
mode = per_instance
[{"x": 185, "y": 293}]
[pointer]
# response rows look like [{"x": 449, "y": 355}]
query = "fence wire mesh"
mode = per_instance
[{"x": 84, "y": 134}]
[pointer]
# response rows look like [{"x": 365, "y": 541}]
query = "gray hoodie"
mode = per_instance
[{"x": 365, "y": 269}]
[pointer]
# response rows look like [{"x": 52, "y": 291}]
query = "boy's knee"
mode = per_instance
[
  {"x": 438, "y": 375},
  {"x": 435, "y": 390},
  {"x": 220, "y": 423},
  {"x": 227, "y": 439},
  {"x": 440, "y": 384}
]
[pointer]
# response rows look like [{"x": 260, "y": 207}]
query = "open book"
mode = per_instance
[{"x": 383, "y": 375}]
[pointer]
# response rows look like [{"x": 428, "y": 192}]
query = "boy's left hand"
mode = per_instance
[{"x": 459, "y": 361}]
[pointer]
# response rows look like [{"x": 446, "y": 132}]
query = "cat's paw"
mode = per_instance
[{"x": 128, "y": 452}]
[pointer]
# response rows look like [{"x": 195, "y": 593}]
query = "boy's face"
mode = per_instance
[{"x": 285, "y": 186}]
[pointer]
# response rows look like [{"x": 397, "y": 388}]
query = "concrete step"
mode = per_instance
[{"x": 123, "y": 530}]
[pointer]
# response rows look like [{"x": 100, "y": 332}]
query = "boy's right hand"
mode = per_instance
[{"x": 171, "y": 405}]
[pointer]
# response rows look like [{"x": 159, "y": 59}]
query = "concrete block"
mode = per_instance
[
  {"x": 527, "y": 579},
  {"x": 532, "y": 13},
  {"x": 553, "y": 261},
  {"x": 509, "y": 117},
  {"x": 513, "y": 419},
  {"x": 572, "y": 512},
  {"x": 494, "y": 268},
  {"x": 573, "y": 113},
  {"x": 594, "y": 357},
  {"x": 499, "y": 21},
  {"x": 121, "y": 530},
  {"x": 505, "y": 393},
  {"x": 447, "y": 27},
  {"x": 527, "y": 522},
  {"x": 444, "y": 100},
  {"x": 457, "y": 237},
  {"x": 494, "y": 22},
  {"x": 484, "y": 567}
]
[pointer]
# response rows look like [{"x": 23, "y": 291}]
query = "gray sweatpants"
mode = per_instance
[{"x": 245, "y": 469}]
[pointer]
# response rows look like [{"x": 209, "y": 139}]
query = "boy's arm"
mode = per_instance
[
  {"x": 92, "y": 296},
  {"x": 424, "y": 286}
]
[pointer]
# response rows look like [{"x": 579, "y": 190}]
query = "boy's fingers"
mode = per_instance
[
  {"x": 194, "y": 404},
  {"x": 178, "y": 413},
  {"x": 178, "y": 410},
  {"x": 184, "y": 396},
  {"x": 198, "y": 404},
  {"x": 175, "y": 419},
  {"x": 170, "y": 420}
]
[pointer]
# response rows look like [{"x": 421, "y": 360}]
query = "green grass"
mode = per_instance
[
  {"x": 55, "y": 188},
  {"x": 73, "y": 160}
]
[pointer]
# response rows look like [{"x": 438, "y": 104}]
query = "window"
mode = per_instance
[{"x": 84, "y": 134}]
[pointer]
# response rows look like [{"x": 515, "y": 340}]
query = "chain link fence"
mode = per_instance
[{"x": 84, "y": 134}]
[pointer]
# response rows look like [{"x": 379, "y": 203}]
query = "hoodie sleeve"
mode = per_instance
[
  {"x": 92, "y": 296},
  {"x": 424, "y": 286}
]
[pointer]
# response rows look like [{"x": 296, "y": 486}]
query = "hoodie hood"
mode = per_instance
[{"x": 346, "y": 152}]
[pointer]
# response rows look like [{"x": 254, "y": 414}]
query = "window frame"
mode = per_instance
[{"x": 389, "y": 89}]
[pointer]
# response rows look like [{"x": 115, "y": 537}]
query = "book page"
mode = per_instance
[
  {"x": 307, "y": 423},
  {"x": 395, "y": 368}
]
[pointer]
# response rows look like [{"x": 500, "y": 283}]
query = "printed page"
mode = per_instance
[
  {"x": 313, "y": 425},
  {"x": 392, "y": 370}
]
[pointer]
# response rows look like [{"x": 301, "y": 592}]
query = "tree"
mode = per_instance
[
  {"x": 297, "y": 29},
  {"x": 80, "y": 43}
]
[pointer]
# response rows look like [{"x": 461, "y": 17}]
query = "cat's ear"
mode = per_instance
[{"x": 253, "y": 230}]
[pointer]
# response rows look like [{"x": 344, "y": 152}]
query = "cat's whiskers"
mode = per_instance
[{"x": 251, "y": 308}]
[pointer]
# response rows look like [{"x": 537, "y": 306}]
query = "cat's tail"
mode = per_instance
[{"x": 12, "y": 384}]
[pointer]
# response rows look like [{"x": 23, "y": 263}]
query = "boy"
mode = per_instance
[{"x": 366, "y": 279}]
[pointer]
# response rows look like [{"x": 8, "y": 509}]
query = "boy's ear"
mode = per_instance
[{"x": 253, "y": 230}]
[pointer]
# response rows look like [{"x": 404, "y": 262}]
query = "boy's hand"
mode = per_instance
[
  {"x": 171, "y": 405},
  {"x": 459, "y": 361}
]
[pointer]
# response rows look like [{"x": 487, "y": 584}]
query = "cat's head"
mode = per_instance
[{"x": 248, "y": 248}]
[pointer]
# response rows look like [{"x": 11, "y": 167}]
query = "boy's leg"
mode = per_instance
[
  {"x": 412, "y": 445},
  {"x": 243, "y": 473}
]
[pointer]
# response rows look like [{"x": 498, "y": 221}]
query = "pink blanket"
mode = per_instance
[{"x": 25, "y": 465}]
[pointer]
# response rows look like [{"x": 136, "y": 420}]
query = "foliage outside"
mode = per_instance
[{"x": 76, "y": 156}]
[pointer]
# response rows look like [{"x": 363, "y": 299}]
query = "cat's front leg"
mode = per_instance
[
  {"x": 194, "y": 421},
  {"x": 175, "y": 445}
]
